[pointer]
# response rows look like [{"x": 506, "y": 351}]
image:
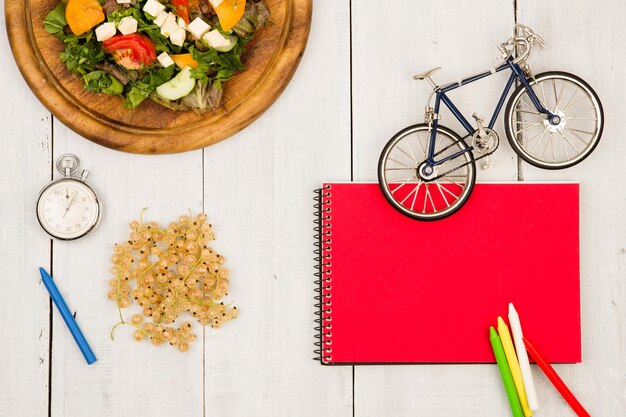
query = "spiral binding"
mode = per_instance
[{"x": 323, "y": 328}]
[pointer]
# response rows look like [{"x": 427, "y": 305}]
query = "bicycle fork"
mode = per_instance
[{"x": 554, "y": 119}]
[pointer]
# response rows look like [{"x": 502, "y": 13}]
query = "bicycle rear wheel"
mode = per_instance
[
  {"x": 415, "y": 196},
  {"x": 549, "y": 146}
]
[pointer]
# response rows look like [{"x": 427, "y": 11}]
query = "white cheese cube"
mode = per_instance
[
  {"x": 169, "y": 26},
  {"x": 123, "y": 1},
  {"x": 178, "y": 37},
  {"x": 153, "y": 7},
  {"x": 198, "y": 27},
  {"x": 105, "y": 31},
  {"x": 165, "y": 60},
  {"x": 215, "y": 39},
  {"x": 160, "y": 19},
  {"x": 181, "y": 23},
  {"x": 215, "y": 3},
  {"x": 127, "y": 25}
]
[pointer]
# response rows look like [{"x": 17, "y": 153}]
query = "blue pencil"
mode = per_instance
[{"x": 67, "y": 317}]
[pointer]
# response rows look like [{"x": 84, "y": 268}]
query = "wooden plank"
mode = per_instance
[
  {"x": 129, "y": 378},
  {"x": 586, "y": 44},
  {"x": 461, "y": 38},
  {"x": 24, "y": 246},
  {"x": 259, "y": 197}
]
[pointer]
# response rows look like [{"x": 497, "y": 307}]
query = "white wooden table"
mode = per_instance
[{"x": 353, "y": 90}]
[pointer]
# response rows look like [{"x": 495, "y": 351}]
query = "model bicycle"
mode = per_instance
[{"x": 553, "y": 120}]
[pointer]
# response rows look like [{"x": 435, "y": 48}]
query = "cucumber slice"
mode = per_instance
[
  {"x": 232, "y": 41},
  {"x": 177, "y": 87}
]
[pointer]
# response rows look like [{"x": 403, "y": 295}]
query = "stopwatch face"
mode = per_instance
[{"x": 68, "y": 209}]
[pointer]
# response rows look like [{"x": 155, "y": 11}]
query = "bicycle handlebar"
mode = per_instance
[{"x": 524, "y": 37}]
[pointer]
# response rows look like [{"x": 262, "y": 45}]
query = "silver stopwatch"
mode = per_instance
[{"x": 67, "y": 208}]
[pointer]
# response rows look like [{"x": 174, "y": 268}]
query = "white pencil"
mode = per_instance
[{"x": 522, "y": 356}]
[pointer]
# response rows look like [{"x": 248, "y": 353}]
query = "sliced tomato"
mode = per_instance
[
  {"x": 82, "y": 15},
  {"x": 182, "y": 9},
  {"x": 131, "y": 51},
  {"x": 229, "y": 12}
]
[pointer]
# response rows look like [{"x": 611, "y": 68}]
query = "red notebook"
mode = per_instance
[{"x": 397, "y": 290}]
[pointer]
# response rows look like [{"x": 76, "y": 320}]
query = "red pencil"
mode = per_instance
[{"x": 556, "y": 380}]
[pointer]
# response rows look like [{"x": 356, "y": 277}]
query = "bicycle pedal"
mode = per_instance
[
  {"x": 479, "y": 119},
  {"x": 488, "y": 164}
]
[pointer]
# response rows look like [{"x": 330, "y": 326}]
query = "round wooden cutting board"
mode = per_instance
[{"x": 270, "y": 59}]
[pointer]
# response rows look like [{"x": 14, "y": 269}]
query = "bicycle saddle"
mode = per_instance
[{"x": 426, "y": 74}]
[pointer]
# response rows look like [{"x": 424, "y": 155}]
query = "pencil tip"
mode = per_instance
[
  {"x": 512, "y": 308},
  {"x": 500, "y": 321}
]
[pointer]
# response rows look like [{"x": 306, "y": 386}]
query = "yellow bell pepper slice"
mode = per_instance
[
  {"x": 82, "y": 15},
  {"x": 184, "y": 60},
  {"x": 229, "y": 12}
]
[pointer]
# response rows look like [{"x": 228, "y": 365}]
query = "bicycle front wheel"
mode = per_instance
[
  {"x": 417, "y": 197},
  {"x": 548, "y": 146}
]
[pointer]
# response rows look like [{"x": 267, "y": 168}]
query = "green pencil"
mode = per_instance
[{"x": 507, "y": 377}]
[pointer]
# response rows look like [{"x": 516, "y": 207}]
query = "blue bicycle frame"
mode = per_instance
[{"x": 440, "y": 92}]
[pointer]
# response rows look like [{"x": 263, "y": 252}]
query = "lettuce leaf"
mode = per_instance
[
  {"x": 55, "y": 21},
  {"x": 101, "y": 82},
  {"x": 142, "y": 88},
  {"x": 82, "y": 54}
]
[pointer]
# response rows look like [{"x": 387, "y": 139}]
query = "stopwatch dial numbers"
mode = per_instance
[
  {"x": 64, "y": 195},
  {"x": 68, "y": 209}
]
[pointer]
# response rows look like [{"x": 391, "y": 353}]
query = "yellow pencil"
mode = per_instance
[{"x": 511, "y": 358}]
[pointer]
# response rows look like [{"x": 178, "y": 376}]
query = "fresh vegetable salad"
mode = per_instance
[{"x": 175, "y": 52}]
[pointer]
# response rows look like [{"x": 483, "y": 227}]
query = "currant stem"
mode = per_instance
[
  {"x": 141, "y": 214},
  {"x": 114, "y": 327},
  {"x": 201, "y": 304},
  {"x": 146, "y": 270},
  {"x": 192, "y": 268}
]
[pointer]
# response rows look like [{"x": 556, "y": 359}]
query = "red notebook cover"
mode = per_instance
[{"x": 398, "y": 290}]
